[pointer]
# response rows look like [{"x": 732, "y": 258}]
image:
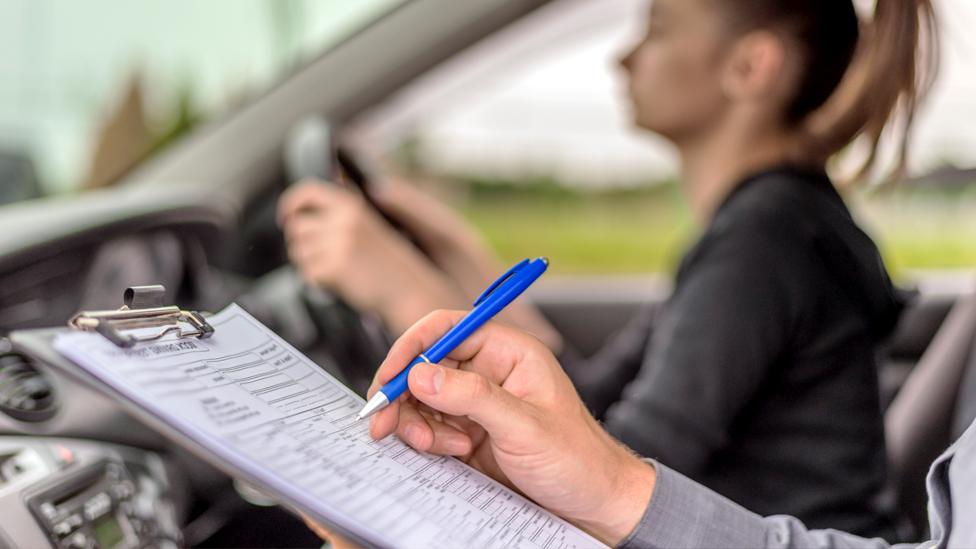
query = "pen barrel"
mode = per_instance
[
  {"x": 498, "y": 299},
  {"x": 398, "y": 385},
  {"x": 439, "y": 350},
  {"x": 484, "y": 312}
]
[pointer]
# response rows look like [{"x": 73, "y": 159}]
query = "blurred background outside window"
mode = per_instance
[
  {"x": 527, "y": 133},
  {"x": 87, "y": 89}
]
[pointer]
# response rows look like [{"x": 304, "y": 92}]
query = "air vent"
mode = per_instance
[{"x": 25, "y": 394}]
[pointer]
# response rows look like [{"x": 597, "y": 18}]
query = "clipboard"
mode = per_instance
[
  {"x": 143, "y": 308},
  {"x": 260, "y": 411}
]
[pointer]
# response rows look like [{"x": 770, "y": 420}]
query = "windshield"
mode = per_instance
[{"x": 90, "y": 89}]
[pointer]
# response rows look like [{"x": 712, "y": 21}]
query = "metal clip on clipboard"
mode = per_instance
[{"x": 143, "y": 309}]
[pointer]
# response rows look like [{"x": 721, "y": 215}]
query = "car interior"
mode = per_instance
[{"x": 199, "y": 219}]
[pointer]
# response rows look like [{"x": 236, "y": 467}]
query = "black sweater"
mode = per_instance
[{"x": 758, "y": 377}]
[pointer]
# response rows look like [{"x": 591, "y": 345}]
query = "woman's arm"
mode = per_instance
[
  {"x": 601, "y": 378},
  {"x": 712, "y": 347},
  {"x": 338, "y": 241},
  {"x": 458, "y": 249}
]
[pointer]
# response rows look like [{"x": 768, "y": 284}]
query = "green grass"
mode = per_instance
[
  {"x": 922, "y": 231},
  {"x": 586, "y": 238},
  {"x": 647, "y": 230}
]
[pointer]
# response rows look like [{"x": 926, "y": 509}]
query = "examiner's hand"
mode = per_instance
[
  {"x": 502, "y": 403},
  {"x": 334, "y": 540},
  {"x": 336, "y": 240}
]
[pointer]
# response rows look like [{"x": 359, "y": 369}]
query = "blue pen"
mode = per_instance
[{"x": 502, "y": 292}]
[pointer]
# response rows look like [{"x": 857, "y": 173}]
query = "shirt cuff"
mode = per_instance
[{"x": 683, "y": 513}]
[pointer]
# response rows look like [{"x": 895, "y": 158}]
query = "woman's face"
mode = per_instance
[{"x": 674, "y": 73}]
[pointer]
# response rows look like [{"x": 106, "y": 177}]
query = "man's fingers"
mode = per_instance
[
  {"x": 414, "y": 429},
  {"x": 384, "y": 423},
  {"x": 377, "y": 384},
  {"x": 423, "y": 433},
  {"x": 335, "y": 540},
  {"x": 319, "y": 530},
  {"x": 414, "y": 341},
  {"x": 506, "y": 349},
  {"x": 463, "y": 393},
  {"x": 449, "y": 440},
  {"x": 426, "y": 434}
]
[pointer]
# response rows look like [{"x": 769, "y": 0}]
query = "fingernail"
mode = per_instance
[
  {"x": 428, "y": 378},
  {"x": 438, "y": 379}
]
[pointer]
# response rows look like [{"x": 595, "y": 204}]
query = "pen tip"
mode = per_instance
[{"x": 375, "y": 404}]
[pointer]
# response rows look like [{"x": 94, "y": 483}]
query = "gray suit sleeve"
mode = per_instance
[{"x": 683, "y": 513}]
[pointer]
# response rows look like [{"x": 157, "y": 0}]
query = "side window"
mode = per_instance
[
  {"x": 530, "y": 135},
  {"x": 90, "y": 89}
]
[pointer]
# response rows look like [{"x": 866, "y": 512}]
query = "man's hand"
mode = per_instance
[
  {"x": 334, "y": 540},
  {"x": 502, "y": 403}
]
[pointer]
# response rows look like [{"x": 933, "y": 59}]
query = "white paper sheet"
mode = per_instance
[{"x": 264, "y": 408}]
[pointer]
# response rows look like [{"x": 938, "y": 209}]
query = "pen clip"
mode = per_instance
[{"x": 501, "y": 280}]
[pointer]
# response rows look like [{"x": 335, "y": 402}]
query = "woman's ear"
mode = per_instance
[{"x": 756, "y": 69}]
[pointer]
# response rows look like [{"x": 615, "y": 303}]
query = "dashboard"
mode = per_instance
[
  {"x": 76, "y": 472},
  {"x": 73, "y": 494}
]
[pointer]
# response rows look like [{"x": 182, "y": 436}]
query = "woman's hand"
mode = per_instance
[
  {"x": 336, "y": 240},
  {"x": 502, "y": 403}
]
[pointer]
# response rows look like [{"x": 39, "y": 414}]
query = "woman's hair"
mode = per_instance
[{"x": 858, "y": 78}]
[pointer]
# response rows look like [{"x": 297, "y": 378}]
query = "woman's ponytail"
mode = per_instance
[{"x": 894, "y": 67}]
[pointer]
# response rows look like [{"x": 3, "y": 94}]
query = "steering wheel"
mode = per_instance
[
  {"x": 336, "y": 336},
  {"x": 357, "y": 343}
]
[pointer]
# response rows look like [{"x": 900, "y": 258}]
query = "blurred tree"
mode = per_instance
[{"x": 122, "y": 141}]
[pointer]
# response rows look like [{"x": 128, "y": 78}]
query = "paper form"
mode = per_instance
[{"x": 261, "y": 406}]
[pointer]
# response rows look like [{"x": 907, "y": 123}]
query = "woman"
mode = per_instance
[{"x": 758, "y": 377}]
